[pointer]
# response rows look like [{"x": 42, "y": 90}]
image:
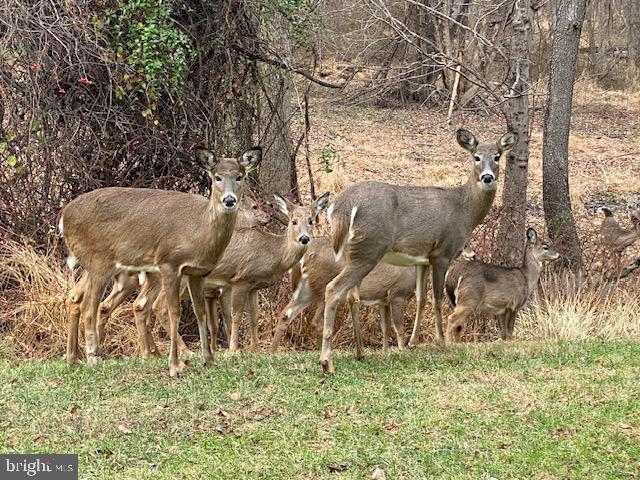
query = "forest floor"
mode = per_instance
[
  {"x": 534, "y": 410},
  {"x": 416, "y": 146}
]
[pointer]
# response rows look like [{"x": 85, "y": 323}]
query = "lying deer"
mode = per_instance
[
  {"x": 255, "y": 260},
  {"x": 475, "y": 286},
  {"x": 387, "y": 286},
  {"x": 409, "y": 226},
  {"x": 126, "y": 283},
  {"x": 110, "y": 230},
  {"x": 615, "y": 238}
]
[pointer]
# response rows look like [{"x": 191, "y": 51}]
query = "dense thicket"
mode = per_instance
[{"x": 97, "y": 93}]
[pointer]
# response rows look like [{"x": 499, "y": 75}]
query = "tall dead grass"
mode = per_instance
[
  {"x": 33, "y": 321},
  {"x": 561, "y": 310}
]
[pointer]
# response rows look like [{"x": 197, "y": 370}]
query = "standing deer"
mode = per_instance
[
  {"x": 126, "y": 283},
  {"x": 110, "y": 230},
  {"x": 476, "y": 286},
  {"x": 615, "y": 238},
  {"x": 387, "y": 286},
  {"x": 255, "y": 260},
  {"x": 409, "y": 226}
]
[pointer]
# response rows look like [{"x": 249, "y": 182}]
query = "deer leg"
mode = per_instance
[
  {"x": 238, "y": 301},
  {"x": 160, "y": 310},
  {"x": 143, "y": 308},
  {"x": 225, "y": 311},
  {"x": 353, "y": 300},
  {"x": 384, "y": 325},
  {"x": 95, "y": 286},
  {"x": 502, "y": 324},
  {"x": 196, "y": 291},
  {"x": 171, "y": 289},
  {"x": 439, "y": 271},
  {"x": 510, "y": 321},
  {"x": 300, "y": 300},
  {"x": 350, "y": 277},
  {"x": 252, "y": 313},
  {"x": 212, "y": 321},
  {"x": 456, "y": 322},
  {"x": 396, "y": 310},
  {"x": 141, "y": 312},
  {"x": 318, "y": 316},
  {"x": 421, "y": 274},
  {"x": 119, "y": 293},
  {"x": 72, "y": 303}
]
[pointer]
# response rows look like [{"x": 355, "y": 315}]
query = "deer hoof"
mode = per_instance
[
  {"x": 208, "y": 362},
  {"x": 327, "y": 366},
  {"x": 72, "y": 360}
]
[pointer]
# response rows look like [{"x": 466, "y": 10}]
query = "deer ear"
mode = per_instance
[
  {"x": 507, "y": 141},
  {"x": 320, "y": 204},
  {"x": 206, "y": 159},
  {"x": 251, "y": 158},
  {"x": 532, "y": 236},
  {"x": 466, "y": 140},
  {"x": 282, "y": 203}
]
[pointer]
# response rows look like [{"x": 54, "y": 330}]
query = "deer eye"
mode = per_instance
[
  {"x": 496, "y": 157},
  {"x": 478, "y": 158},
  {"x": 294, "y": 222},
  {"x": 545, "y": 248},
  {"x": 239, "y": 179},
  {"x": 217, "y": 178},
  {"x": 310, "y": 222}
]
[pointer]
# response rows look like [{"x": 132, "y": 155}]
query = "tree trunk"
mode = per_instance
[
  {"x": 276, "y": 173},
  {"x": 555, "y": 149},
  {"x": 511, "y": 232},
  {"x": 633, "y": 21}
]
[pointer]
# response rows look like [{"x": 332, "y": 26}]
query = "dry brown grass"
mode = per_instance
[{"x": 32, "y": 311}]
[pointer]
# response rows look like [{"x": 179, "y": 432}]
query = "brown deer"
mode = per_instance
[
  {"x": 126, "y": 283},
  {"x": 478, "y": 287},
  {"x": 615, "y": 238},
  {"x": 387, "y": 286},
  {"x": 255, "y": 260},
  {"x": 409, "y": 226},
  {"x": 110, "y": 230}
]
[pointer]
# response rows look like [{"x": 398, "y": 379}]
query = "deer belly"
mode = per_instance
[{"x": 400, "y": 259}]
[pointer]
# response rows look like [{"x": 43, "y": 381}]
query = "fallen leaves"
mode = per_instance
[{"x": 337, "y": 468}]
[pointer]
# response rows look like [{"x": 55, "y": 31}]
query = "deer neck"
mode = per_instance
[
  {"x": 477, "y": 201},
  {"x": 220, "y": 226},
  {"x": 290, "y": 251},
  {"x": 531, "y": 268}
]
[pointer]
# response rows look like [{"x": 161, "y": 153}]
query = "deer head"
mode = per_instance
[
  {"x": 228, "y": 175},
  {"x": 541, "y": 252},
  {"x": 486, "y": 156},
  {"x": 301, "y": 219}
]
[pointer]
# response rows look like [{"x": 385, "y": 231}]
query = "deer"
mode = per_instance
[
  {"x": 615, "y": 238},
  {"x": 424, "y": 227},
  {"x": 478, "y": 287},
  {"x": 174, "y": 234},
  {"x": 126, "y": 283},
  {"x": 255, "y": 260},
  {"x": 387, "y": 286}
]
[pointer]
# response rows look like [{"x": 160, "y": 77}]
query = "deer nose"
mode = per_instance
[
  {"x": 487, "y": 178},
  {"x": 304, "y": 239},
  {"x": 229, "y": 201}
]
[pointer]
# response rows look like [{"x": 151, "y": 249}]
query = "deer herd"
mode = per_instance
[{"x": 170, "y": 246}]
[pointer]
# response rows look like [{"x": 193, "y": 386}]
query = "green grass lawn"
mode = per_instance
[{"x": 517, "y": 410}]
